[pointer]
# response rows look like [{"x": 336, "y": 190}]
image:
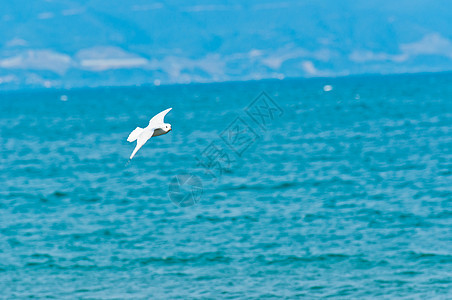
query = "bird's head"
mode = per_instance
[{"x": 166, "y": 127}]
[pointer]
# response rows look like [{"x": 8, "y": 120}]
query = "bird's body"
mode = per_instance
[
  {"x": 158, "y": 132},
  {"x": 156, "y": 127}
]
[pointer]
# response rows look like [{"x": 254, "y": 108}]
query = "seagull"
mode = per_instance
[{"x": 156, "y": 127}]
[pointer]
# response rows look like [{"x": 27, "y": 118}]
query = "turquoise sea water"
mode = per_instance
[{"x": 344, "y": 193}]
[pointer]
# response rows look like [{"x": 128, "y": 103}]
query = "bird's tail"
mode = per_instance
[{"x": 135, "y": 134}]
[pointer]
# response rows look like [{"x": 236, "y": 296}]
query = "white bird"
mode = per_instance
[{"x": 156, "y": 127}]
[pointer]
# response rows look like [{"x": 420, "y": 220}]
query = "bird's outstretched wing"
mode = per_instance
[
  {"x": 142, "y": 139},
  {"x": 158, "y": 118}
]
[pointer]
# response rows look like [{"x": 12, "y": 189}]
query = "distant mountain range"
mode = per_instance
[{"x": 98, "y": 42}]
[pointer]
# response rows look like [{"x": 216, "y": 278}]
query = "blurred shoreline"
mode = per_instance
[{"x": 364, "y": 76}]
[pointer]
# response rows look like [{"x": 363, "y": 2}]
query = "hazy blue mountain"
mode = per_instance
[{"x": 98, "y": 42}]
